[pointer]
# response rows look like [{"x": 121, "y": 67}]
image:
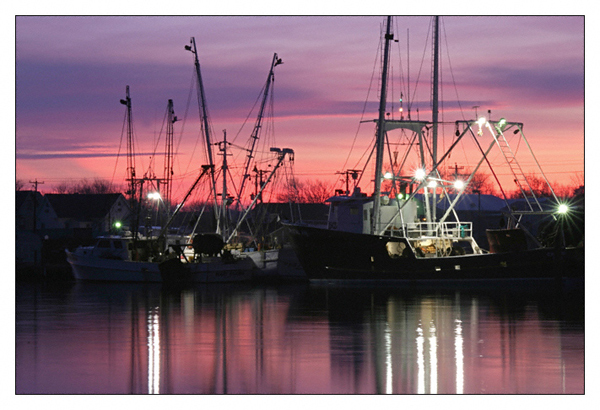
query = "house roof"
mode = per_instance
[
  {"x": 22, "y": 196},
  {"x": 82, "y": 206},
  {"x": 308, "y": 212},
  {"x": 471, "y": 202}
]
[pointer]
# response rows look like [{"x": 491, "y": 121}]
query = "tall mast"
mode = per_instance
[
  {"x": 130, "y": 163},
  {"x": 254, "y": 137},
  {"x": 436, "y": 67},
  {"x": 224, "y": 171},
  {"x": 434, "y": 114},
  {"x": 168, "y": 172},
  {"x": 381, "y": 130},
  {"x": 205, "y": 125}
]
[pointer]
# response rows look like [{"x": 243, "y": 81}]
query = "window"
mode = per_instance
[{"x": 103, "y": 243}]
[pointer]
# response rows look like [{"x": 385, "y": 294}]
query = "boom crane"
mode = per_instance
[{"x": 254, "y": 136}]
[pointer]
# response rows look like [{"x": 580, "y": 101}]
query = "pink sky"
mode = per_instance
[{"x": 71, "y": 73}]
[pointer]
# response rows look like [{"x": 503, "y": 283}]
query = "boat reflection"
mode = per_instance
[{"x": 240, "y": 339}]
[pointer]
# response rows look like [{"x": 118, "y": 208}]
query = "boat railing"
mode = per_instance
[{"x": 445, "y": 230}]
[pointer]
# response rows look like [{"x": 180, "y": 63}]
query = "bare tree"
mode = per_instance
[
  {"x": 309, "y": 191},
  {"x": 316, "y": 192},
  {"x": 95, "y": 186},
  {"x": 63, "y": 188},
  {"x": 20, "y": 184}
]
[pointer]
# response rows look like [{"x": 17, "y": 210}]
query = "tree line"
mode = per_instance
[{"x": 318, "y": 191}]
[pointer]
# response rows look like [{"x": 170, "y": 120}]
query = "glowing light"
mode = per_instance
[
  {"x": 502, "y": 122},
  {"x": 432, "y": 184},
  {"x": 458, "y": 184},
  {"x": 117, "y": 225},
  {"x": 420, "y": 174},
  {"x": 153, "y": 325},
  {"x": 153, "y": 195},
  {"x": 388, "y": 361},
  {"x": 459, "y": 357},
  {"x": 481, "y": 121},
  {"x": 432, "y": 359},
  {"x": 388, "y": 175},
  {"x": 420, "y": 361},
  {"x": 563, "y": 208}
]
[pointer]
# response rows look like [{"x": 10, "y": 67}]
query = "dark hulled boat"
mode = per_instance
[
  {"x": 396, "y": 234},
  {"x": 327, "y": 254}
]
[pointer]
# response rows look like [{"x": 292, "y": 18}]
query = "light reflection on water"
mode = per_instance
[{"x": 245, "y": 339}]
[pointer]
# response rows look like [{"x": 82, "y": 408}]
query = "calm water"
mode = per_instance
[{"x": 117, "y": 339}]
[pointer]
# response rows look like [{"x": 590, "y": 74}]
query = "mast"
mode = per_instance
[
  {"x": 254, "y": 137},
  {"x": 131, "y": 164},
  {"x": 224, "y": 171},
  {"x": 381, "y": 130},
  {"x": 205, "y": 125},
  {"x": 168, "y": 172},
  {"x": 434, "y": 113}
]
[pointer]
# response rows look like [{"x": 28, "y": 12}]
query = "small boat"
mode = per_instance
[
  {"x": 121, "y": 259},
  {"x": 134, "y": 258},
  {"x": 396, "y": 234}
]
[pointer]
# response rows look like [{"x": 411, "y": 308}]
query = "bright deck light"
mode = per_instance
[
  {"x": 420, "y": 174},
  {"x": 117, "y": 224},
  {"x": 563, "y": 209},
  {"x": 481, "y": 121},
  {"x": 153, "y": 195},
  {"x": 432, "y": 184},
  {"x": 458, "y": 184},
  {"x": 388, "y": 175}
]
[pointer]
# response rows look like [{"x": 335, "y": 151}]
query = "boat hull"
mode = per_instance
[
  {"x": 90, "y": 268},
  {"x": 280, "y": 264},
  {"x": 334, "y": 255}
]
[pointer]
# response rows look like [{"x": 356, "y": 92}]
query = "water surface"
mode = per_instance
[{"x": 86, "y": 338}]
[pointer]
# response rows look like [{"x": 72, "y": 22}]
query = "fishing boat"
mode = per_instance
[
  {"x": 396, "y": 234},
  {"x": 137, "y": 258},
  {"x": 121, "y": 259},
  {"x": 196, "y": 257},
  {"x": 243, "y": 236}
]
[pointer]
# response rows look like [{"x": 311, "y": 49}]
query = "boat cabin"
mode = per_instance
[{"x": 354, "y": 213}]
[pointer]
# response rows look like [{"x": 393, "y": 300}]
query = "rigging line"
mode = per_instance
[
  {"x": 420, "y": 69},
  {"x": 452, "y": 71},
  {"x": 185, "y": 118},
  {"x": 250, "y": 113},
  {"x": 270, "y": 123},
  {"x": 369, "y": 147},
  {"x": 162, "y": 127},
  {"x": 393, "y": 188},
  {"x": 362, "y": 172},
  {"x": 401, "y": 75},
  {"x": 119, "y": 151},
  {"x": 408, "y": 150},
  {"x": 365, "y": 104},
  {"x": 462, "y": 112}
]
